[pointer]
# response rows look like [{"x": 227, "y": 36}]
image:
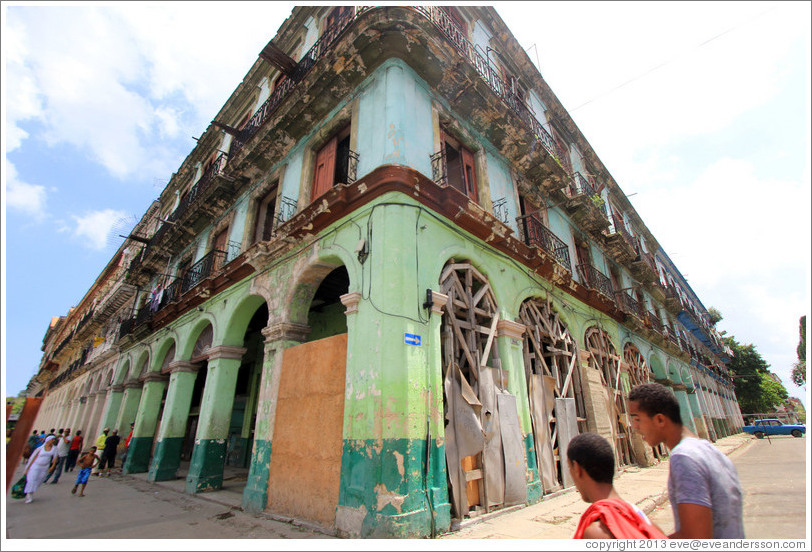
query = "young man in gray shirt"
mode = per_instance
[{"x": 703, "y": 485}]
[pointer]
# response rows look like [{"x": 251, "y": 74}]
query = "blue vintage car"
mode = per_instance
[{"x": 772, "y": 426}]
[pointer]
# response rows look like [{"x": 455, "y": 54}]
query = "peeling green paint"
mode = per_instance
[
  {"x": 206, "y": 466},
  {"x": 166, "y": 459},
  {"x": 255, "y": 495}
]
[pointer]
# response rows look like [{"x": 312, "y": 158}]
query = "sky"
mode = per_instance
[{"x": 699, "y": 110}]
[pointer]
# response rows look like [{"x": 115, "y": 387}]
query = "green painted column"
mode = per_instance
[
  {"x": 166, "y": 458},
  {"x": 684, "y": 407},
  {"x": 209, "y": 454},
  {"x": 145, "y": 421},
  {"x": 115, "y": 395},
  {"x": 509, "y": 338},
  {"x": 126, "y": 412},
  {"x": 278, "y": 337}
]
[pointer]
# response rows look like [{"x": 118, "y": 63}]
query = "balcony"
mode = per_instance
[
  {"x": 592, "y": 278},
  {"x": 672, "y": 300},
  {"x": 538, "y": 235},
  {"x": 643, "y": 267},
  {"x": 585, "y": 205},
  {"x": 655, "y": 327},
  {"x": 619, "y": 241}
]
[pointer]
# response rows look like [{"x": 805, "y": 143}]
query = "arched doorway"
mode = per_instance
[
  {"x": 604, "y": 358},
  {"x": 482, "y": 459},
  {"x": 639, "y": 373},
  {"x": 305, "y": 469},
  {"x": 554, "y": 387}
]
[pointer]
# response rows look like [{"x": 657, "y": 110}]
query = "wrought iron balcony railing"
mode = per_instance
[
  {"x": 654, "y": 322},
  {"x": 580, "y": 186},
  {"x": 541, "y": 236},
  {"x": 617, "y": 226},
  {"x": 202, "y": 269},
  {"x": 595, "y": 280},
  {"x": 629, "y": 304},
  {"x": 500, "y": 210}
]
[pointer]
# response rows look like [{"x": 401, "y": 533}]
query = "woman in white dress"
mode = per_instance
[{"x": 42, "y": 460}]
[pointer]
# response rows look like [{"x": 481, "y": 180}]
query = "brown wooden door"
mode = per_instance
[
  {"x": 220, "y": 247},
  {"x": 325, "y": 169},
  {"x": 469, "y": 173}
]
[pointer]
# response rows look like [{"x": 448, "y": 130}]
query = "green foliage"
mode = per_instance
[
  {"x": 756, "y": 390},
  {"x": 715, "y": 316},
  {"x": 799, "y": 368}
]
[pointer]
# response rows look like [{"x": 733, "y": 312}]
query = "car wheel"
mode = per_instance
[
  {"x": 797, "y": 433},
  {"x": 759, "y": 435}
]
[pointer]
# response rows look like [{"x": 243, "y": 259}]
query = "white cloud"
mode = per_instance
[
  {"x": 28, "y": 198},
  {"x": 95, "y": 227}
]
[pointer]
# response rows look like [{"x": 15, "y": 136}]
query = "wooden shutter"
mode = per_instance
[
  {"x": 469, "y": 173},
  {"x": 325, "y": 169},
  {"x": 220, "y": 244}
]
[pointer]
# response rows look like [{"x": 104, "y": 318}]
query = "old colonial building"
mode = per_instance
[{"x": 391, "y": 281}]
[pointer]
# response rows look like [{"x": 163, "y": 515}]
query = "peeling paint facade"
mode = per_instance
[{"x": 392, "y": 302}]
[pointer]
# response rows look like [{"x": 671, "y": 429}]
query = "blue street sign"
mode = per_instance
[{"x": 411, "y": 339}]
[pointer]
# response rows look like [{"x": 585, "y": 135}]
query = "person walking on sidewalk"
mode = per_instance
[
  {"x": 592, "y": 466},
  {"x": 86, "y": 463},
  {"x": 75, "y": 449},
  {"x": 42, "y": 461},
  {"x": 703, "y": 485},
  {"x": 62, "y": 449}
]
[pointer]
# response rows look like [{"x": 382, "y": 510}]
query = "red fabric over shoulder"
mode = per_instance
[{"x": 621, "y": 520}]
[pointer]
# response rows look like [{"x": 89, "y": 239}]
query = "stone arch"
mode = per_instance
[
  {"x": 141, "y": 365},
  {"x": 674, "y": 371},
  {"x": 604, "y": 358},
  {"x": 657, "y": 368},
  {"x": 639, "y": 371},
  {"x": 163, "y": 350},
  {"x": 301, "y": 293},
  {"x": 240, "y": 317},
  {"x": 203, "y": 323},
  {"x": 553, "y": 374},
  {"x": 123, "y": 371}
]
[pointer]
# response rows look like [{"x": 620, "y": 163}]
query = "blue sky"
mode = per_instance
[{"x": 700, "y": 110}]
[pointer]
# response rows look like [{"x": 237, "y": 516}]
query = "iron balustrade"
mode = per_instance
[
  {"x": 629, "y": 304},
  {"x": 619, "y": 227},
  {"x": 500, "y": 210},
  {"x": 287, "y": 208},
  {"x": 439, "y": 168},
  {"x": 594, "y": 279},
  {"x": 202, "y": 269},
  {"x": 654, "y": 322},
  {"x": 541, "y": 236},
  {"x": 581, "y": 186}
]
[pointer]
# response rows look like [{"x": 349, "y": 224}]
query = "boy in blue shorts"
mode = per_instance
[{"x": 86, "y": 462}]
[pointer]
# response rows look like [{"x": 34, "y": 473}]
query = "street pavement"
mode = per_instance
[{"x": 130, "y": 507}]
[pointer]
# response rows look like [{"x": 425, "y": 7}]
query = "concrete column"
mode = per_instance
[
  {"x": 145, "y": 421},
  {"x": 84, "y": 412},
  {"x": 100, "y": 401},
  {"x": 129, "y": 407},
  {"x": 166, "y": 459},
  {"x": 209, "y": 454},
  {"x": 278, "y": 337}
]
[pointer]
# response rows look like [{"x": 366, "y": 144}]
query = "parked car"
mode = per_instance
[{"x": 760, "y": 428}]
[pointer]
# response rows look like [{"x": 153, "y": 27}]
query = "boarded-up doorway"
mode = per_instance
[{"x": 307, "y": 439}]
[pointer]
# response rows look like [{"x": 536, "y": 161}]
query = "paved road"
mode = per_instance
[{"x": 773, "y": 476}]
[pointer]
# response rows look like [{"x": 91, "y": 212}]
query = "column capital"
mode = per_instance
[
  {"x": 117, "y": 388},
  {"x": 100, "y": 392},
  {"x": 438, "y": 302},
  {"x": 226, "y": 352},
  {"x": 509, "y": 328},
  {"x": 133, "y": 384},
  {"x": 154, "y": 376},
  {"x": 351, "y": 300},
  {"x": 182, "y": 366},
  {"x": 289, "y": 331}
]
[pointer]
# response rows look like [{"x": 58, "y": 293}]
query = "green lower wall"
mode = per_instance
[
  {"x": 255, "y": 495},
  {"x": 534, "y": 487},
  {"x": 138, "y": 455},
  {"x": 206, "y": 466},
  {"x": 166, "y": 460}
]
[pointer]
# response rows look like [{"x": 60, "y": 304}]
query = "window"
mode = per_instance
[
  {"x": 332, "y": 163},
  {"x": 337, "y": 14},
  {"x": 456, "y": 17},
  {"x": 460, "y": 170},
  {"x": 219, "y": 249},
  {"x": 266, "y": 207}
]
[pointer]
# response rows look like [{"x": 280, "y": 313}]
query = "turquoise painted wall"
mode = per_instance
[{"x": 501, "y": 185}]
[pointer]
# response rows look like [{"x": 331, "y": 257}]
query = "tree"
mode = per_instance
[
  {"x": 755, "y": 388},
  {"x": 799, "y": 368},
  {"x": 715, "y": 316}
]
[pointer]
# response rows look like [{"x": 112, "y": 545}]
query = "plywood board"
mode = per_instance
[{"x": 307, "y": 439}]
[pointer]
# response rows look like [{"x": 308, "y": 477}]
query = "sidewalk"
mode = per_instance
[{"x": 556, "y": 517}]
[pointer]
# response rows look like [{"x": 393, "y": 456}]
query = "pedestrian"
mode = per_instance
[
  {"x": 31, "y": 445},
  {"x": 41, "y": 462},
  {"x": 127, "y": 445},
  {"x": 73, "y": 452},
  {"x": 62, "y": 449},
  {"x": 703, "y": 485},
  {"x": 592, "y": 466},
  {"x": 86, "y": 463},
  {"x": 108, "y": 457},
  {"x": 100, "y": 440}
]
